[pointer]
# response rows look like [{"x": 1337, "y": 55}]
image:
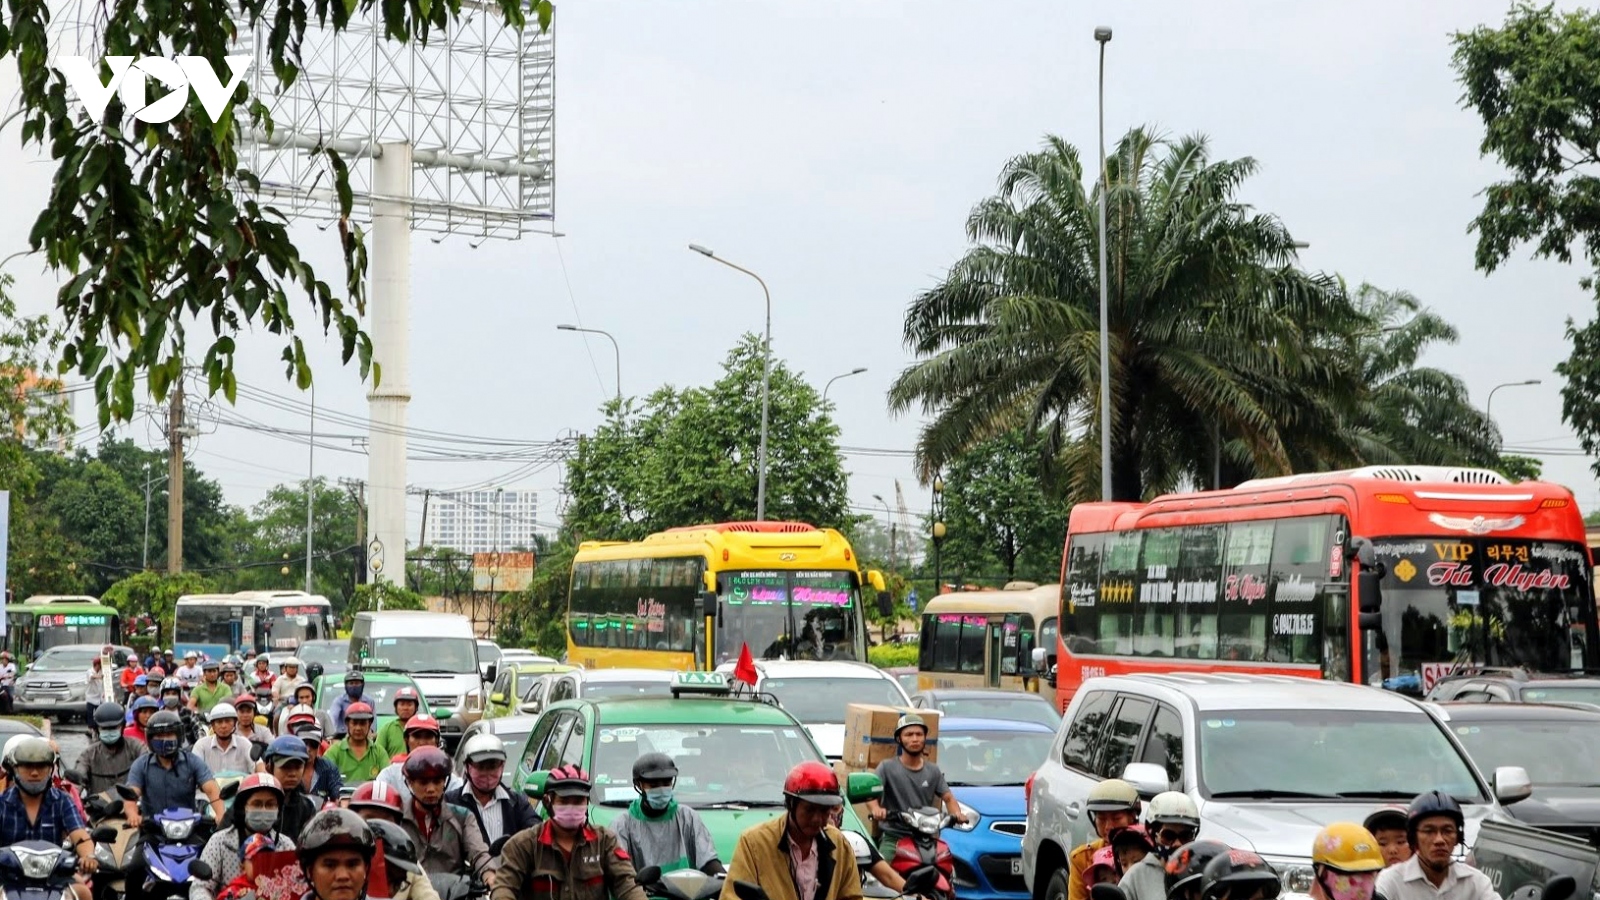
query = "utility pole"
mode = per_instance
[{"x": 175, "y": 433}]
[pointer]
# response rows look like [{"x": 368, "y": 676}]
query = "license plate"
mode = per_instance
[{"x": 1016, "y": 866}]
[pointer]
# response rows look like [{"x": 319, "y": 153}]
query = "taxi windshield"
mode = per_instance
[{"x": 737, "y": 765}]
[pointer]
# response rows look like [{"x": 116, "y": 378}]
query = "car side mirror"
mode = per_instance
[
  {"x": 533, "y": 785},
  {"x": 1148, "y": 779},
  {"x": 498, "y": 698},
  {"x": 859, "y": 787},
  {"x": 494, "y": 669},
  {"x": 1512, "y": 784}
]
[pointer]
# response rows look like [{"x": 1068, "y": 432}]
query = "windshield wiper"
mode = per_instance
[
  {"x": 739, "y": 804},
  {"x": 1271, "y": 794},
  {"x": 1379, "y": 795},
  {"x": 435, "y": 672},
  {"x": 616, "y": 803}
]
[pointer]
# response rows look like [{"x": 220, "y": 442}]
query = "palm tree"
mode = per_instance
[{"x": 1214, "y": 332}]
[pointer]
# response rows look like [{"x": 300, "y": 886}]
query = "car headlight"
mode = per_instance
[
  {"x": 473, "y": 700},
  {"x": 971, "y": 816},
  {"x": 36, "y": 864},
  {"x": 1296, "y": 875},
  {"x": 177, "y": 831}
]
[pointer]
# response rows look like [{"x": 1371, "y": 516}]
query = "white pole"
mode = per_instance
[
  {"x": 311, "y": 481},
  {"x": 1102, "y": 35},
  {"x": 391, "y": 351}
]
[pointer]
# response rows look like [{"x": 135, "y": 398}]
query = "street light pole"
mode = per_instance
[
  {"x": 938, "y": 532},
  {"x": 1488, "y": 407},
  {"x": 616, "y": 350},
  {"x": 766, "y": 382},
  {"x": 311, "y": 481},
  {"x": 148, "y": 483},
  {"x": 836, "y": 378},
  {"x": 1102, "y": 35},
  {"x": 888, "y": 519}
]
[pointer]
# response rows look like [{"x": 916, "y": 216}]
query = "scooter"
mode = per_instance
[
  {"x": 113, "y": 843},
  {"x": 171, "y": 841},
  {"x": 919, "y": 884},
  {"x": 37, "y": 870},
  {"x": 462, "y": 886},
  {"x": 680, "y": 884},
  {"x": 922, "y": 849}
]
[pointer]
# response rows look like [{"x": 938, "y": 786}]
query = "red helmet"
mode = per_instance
[
  {"x": 258, "y": 782},
  {"x": 567, "y": 781},
  {"x": 407, "y": 693},
  {"x": 358, "y": 711},
  {"x": 422, "y": 722},
  {"x": 426, "y": 764},
  {"x": 813, "y": 782},
  {"x": 377, "y": 795}
]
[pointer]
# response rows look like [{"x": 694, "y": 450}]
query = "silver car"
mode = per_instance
[{"x": 54, "y": 683}]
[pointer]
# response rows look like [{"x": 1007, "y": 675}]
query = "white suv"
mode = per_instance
[{"x": 1268, "y": 759}]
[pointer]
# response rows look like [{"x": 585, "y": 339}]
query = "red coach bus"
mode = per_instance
[{"x": 1384, "y": 575}]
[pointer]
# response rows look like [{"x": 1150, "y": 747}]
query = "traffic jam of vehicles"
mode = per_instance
[{"x": 1377, "y": 682}]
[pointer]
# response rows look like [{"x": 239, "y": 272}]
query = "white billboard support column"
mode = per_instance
[{"x": 390, "y": 300}]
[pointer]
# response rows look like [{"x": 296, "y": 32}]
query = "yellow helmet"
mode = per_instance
[{"x": 1347, "y": 847}]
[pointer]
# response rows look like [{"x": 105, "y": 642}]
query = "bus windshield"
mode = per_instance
[
  {"x": 290, "y": 626},
  {"x": 1496, "y": 601},
  {"x": 62, "y": 629},
  {"x": 794, "y": 614},
  {"x": 207, "y": 625}
]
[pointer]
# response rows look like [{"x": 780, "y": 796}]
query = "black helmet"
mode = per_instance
[
  {"x": 109, "y": 715},
  {"x": 1187, "y": 864},
  {"x": 1432, "y": 804},
  {"x": 334, "y": 829},
  {"x": 654, "y": 767},
  {"x": 398, "y": 850},
  {"x": 1239, "y": 873},
  {"x": 163, "y": 721}
]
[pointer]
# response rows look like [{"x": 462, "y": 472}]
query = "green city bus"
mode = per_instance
[{"x": 51, "y": 620}]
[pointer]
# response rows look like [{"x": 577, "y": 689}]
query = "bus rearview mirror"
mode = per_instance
[
  {"x": 885, "y": 604},
  {"x": 708, "y": 605}
]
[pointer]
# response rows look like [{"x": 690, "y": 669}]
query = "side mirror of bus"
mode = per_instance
[
  {"x": 875, "y": 578},
  {"x": 885, "y": 604},
  {"x": 1039, "y": 657},
  {"x": 708, "y": 605},
  {"x": 1369, "y": 584}
]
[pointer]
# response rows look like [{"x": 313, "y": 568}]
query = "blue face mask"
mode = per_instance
[
  {"x": 353, "y": 691},
  {"x": 164, "y": 746},
  {"x": 658, "y": 797}
]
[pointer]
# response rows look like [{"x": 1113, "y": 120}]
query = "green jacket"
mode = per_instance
[
  {"x": 391, "y": 739},
  {"x": 356, "y": 771}
]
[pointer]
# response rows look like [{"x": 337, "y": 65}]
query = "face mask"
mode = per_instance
[
  {"x": 164, "y": 746},
  {"x": 110, "y": 738},
  {"x": 260, "y": 821},
  {"x": 1348, "y": 886},
  {"x": 33, "y": 788},
  {"x": 353, "y": 691},
  {"x": 171, "y": 701},
  {"x": 570, "y": 817},
  {"x": 481, "y": 780},
  {"x": 658, "y": 797}
]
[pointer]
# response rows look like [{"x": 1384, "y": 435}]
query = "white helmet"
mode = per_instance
[
  {"x": 483, "y": 746},
  {"x": 1174, "y": 807},
  {"x": 8, "y": 757},
  {"x": 294, "y": 661},
  {"x": 222, "y": 711}
]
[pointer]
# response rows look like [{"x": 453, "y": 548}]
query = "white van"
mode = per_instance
[{"x": 438, "y": 650}]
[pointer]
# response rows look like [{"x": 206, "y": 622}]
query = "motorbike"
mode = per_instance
[
  {"x": 922, "y": 849},
  {"x": 919, "y": 884},
  {"x": 1561, "y": 887},
  {"x": 464, "y": 885},
  {"x": 682, "y": 884},
  {"x": 37, "y": 870},
  {"x": 172, "y": 840},
  {"x": 114, "y": 840}
]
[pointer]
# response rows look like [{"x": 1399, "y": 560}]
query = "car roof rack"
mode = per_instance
[{"x": 1477, "y": 670}]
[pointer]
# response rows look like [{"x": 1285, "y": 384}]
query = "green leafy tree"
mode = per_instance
[
  {"x": 382, "y": 595},
  {"x": 155, "y": 594},
  {"x": 689, "y": 456},
  {"x": 157, "y": 225},
  {"x": 998, "y": 517},
  {"x": 1535, "y": 82},
  {"x": 278, "y": 527},
  {"x": 1211, "y": 323},
  {"x": 206, "y": 515}
]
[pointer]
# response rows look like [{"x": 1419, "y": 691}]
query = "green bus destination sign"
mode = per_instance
[{"x": 68, "y": 621}]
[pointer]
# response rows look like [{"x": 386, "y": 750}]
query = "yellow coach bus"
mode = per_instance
[
  {"x": 977, "y": 639},
  {"x": 692, "y": 597}
]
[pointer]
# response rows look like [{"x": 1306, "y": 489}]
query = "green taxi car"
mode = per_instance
[
  {"x": 733, "y": 753},
  {"x": 380, "y": 690},
  {"x": 511, "y": 683}
]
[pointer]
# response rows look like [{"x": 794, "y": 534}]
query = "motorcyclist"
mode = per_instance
[
  {"x": 8, "y": 682},
  {"x": 190, "y": 672},
  {"x": 168, "y": 776},
  {"x": 324, "y": 783},
  {"x": 222, "y": 749},
  {"x": 105, "y": 762},
  {"x": 284, "y": 685},
  {"x": 1187, "y": 865},
  {"x": 566, "y": 853},
  {"x": 336, "y": 851},
  {"x": 392, "y": 736},
  {"x": 1345, "y": 862},
  {"x": 286, "y": 760},
  {"x": 421, "y": 731},
  {"x": 248, "y": 728},
  {"x": 230, "y": 677},
  {"x": 211, "y": 690},
  {"x": 1112, "y": 804},
  {"x": 498, "y": 811},
  {"x": 446, "y": 834},
  {"x": 356, "y": 757},
  {"x": 657, "y": 830},
  {"x": 796, "y": 856},
  {"x": 1171, "y": 820},
  {"x": 172, "y": 699},
  {"x": 910, "y": 782},
  {"x": 355, "y": 691},
  {"x": 262, "y": 673},
  {"x": 406, "y": 879},
  {"x": 1435, "y": 826},
  {"x": 167, "y": 663},
  {"x": 139, "y": 688},
  {"x": 376, "y": 800},
  {"x": 143, "y": 709},
  {"x": 1239, "y": 875},
  {"x": 257, "y": 809},
  {"x": 1388, "y": 825},
  {"x": 153, "y": 659},
  {"x": 34, "y": 810},
  {"x": 125, "y": 679}
]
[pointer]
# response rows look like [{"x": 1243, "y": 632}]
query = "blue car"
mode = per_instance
[{"x": 986, "y": 762}]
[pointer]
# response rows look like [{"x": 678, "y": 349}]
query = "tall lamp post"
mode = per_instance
[
  {"x": 836, "y": 378},
  {"x": 1488, "y": 407},
  {"x": 938, "y": 532},
  {"x": 311, "y": 480},
  {"x": 617, "y": 351},
  {"x": 766, "y": 381},
  {"x": 1102, "y": 35},
  {"x": 888, "y": 519}
]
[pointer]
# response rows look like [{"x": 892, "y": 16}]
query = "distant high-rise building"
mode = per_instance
[{"x": 483, "y": 521}]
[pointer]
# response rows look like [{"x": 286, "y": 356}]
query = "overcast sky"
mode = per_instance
[{"x": 836, "y": 147}]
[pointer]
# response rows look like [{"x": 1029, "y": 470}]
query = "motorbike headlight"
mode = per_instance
[
  {"x": 102, "y": 854},
  {"x": 177, "y": 831},
  {"x": 1296, "y": 875},
  {"x": 971, "y": 816},
  {"x": 36, "y": 864}
]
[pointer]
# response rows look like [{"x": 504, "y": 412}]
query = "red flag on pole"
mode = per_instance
[{"x": 745, "y": 670}]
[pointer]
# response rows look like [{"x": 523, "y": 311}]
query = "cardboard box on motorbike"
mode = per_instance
[{"x": 869, "y": 734}]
